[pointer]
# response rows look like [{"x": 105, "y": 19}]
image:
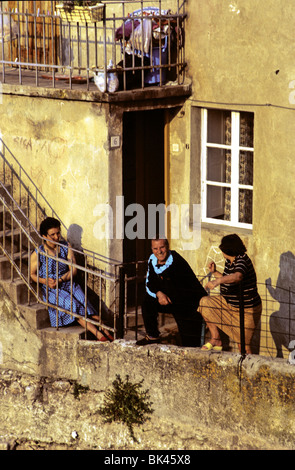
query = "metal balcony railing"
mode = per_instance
[{"x": 133, "y": 46}]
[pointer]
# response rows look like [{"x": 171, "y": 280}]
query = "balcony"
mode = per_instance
[{"x": 128, "y": 46}]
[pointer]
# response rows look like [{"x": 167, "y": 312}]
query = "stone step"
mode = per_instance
[
  {"x": 131, "y": 321},
  {"x": 8, "y": 236},
  {"x": 7, "y": 221},
  {"x": 65, "y": 333},
  {"x": 3, "y": 192},
  {"x": 36, "y": 315},
  {"x": 16, "y": 290},
  {"x": 5, "y": 265}
]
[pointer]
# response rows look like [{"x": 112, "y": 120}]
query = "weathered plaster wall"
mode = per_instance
[
  {"x": 200, "y": 400},
  {"x": 241, "y": 50},
  {"x": 64, "y": 147}
]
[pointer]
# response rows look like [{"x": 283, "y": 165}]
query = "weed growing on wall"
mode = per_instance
[{"x": 126, "y": 402}]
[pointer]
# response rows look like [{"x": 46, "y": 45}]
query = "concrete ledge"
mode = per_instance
[
  {"x": 200, "y": 399},
  {"x": 145, "y": 94}
]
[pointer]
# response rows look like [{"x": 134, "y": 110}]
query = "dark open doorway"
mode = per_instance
[
  {"x": 143, "y": 173},
  {"x": 143, "y": 184}
]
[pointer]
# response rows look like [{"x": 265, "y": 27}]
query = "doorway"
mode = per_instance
[{"x": 143, "y": 175}]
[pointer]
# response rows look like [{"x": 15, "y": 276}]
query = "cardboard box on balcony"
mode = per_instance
[{"x": 81, "y": 14}]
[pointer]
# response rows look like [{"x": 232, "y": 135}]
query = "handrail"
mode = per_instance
[
  {"x": 19, "y": 177},
  {"x": 9, "y": 205},
  {"x": 32, "y": 245},
  {"x": 48, "y": 208}
]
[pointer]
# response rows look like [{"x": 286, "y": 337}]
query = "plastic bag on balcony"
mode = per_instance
[
  {"x": 112, "y": 84},
  {"x": 10, "y": 30}
]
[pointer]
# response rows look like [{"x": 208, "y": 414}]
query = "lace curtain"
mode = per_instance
[{"x": 245, "y": 168}]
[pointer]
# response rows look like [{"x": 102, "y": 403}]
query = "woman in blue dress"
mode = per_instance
[{"x": 50, "y": 231}]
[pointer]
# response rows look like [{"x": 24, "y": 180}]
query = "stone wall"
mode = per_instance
[{"x": 52, "y": 385}]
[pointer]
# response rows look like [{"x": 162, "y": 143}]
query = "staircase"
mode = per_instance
[
  {"x": 14, "y": 264},
  {"x": 11, "y": 243},
  {"x": 22, "y": 207}
]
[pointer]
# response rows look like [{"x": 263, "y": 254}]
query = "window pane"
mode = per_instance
[
  {"x": 245, "y": 206},
  {"x": 246, "y": 168},
  {"x": 219, "y": 165},
  {"x": 218, "y": 203},
  {"x": 219, "y": 127},
  {"x": 246, "y": 129}
]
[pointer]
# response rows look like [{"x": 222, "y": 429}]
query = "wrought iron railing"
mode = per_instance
[
  {"x": 19, "y": 239},
  {"x": 25, "y": 207},
  {"x": 141, "y": 45}
]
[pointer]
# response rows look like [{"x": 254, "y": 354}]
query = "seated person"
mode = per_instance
[
  {"x": 222, "y": 312},
  {"x": 171, "y": 287},
  {"x": 46, "y": 268}
]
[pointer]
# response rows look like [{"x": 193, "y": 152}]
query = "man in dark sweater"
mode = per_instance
[{"x": 171, "y": 287}]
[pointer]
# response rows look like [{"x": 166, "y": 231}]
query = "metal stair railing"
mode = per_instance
[
  {"x": 28, "y": 194},
  {"x": 10, "y": 175},
  {"x": 24, "y": 239}
]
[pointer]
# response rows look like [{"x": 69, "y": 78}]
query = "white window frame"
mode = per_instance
[{"x": 235, "y": 186}]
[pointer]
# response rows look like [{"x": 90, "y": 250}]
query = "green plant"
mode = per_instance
[{"x": 126, "y": 402}]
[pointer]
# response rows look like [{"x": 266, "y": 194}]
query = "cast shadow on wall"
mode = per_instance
[{"x": 282, "y": 321}]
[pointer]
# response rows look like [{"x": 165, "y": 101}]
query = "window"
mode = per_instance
[{"x": 227, "y": 167}]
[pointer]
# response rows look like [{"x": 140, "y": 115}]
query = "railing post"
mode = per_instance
[
  {"x": 120, "y": 324},
  {"x": 242, "y": 320}
]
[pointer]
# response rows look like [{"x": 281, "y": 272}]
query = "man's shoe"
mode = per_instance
[{"x": 146, "y": 340}]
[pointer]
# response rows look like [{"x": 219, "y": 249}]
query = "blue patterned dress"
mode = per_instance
[{"x": 64, "y": 290}]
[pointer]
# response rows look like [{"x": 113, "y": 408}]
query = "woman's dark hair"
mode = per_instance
[
  {"x": 232, "y": 245},
  {"x": 47, "y": 224}
]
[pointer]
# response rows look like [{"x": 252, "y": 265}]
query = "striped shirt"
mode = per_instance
[{"x": 241, "y": 264}]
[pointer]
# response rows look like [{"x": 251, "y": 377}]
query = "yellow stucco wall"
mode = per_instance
[
  {"x": 240, "y": 58},
  {"x": 63, "y": 145}
]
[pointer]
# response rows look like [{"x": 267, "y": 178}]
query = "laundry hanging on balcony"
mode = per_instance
[
  {"x": 144, "y": 36},
  {"x": 142, "y": 27}
]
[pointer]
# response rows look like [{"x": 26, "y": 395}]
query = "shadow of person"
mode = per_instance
[
  {"x": 281, "y": 322},
  {"x": 74, "y": 237}
]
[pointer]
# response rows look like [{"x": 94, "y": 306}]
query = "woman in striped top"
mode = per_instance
[{"x": 222, "y": 311}]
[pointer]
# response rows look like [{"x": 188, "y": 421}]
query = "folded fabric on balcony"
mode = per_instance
[{"x": 126, "y": 29}]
